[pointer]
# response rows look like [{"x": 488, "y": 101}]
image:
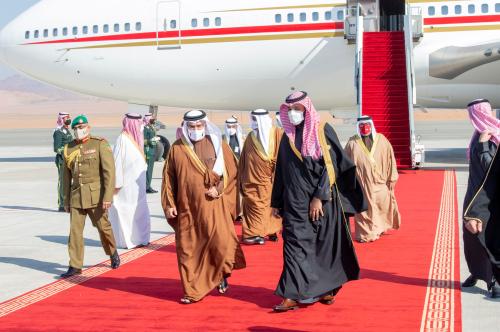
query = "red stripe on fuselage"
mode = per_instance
[
  {"x": 203, "y": 32},
  {"x": 462, "y": 19}
]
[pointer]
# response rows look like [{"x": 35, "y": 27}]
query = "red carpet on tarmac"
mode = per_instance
[{"x": 409, "y": 282}]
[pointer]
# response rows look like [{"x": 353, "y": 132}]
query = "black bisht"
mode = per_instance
[
  {"x": 485, "y": 206},
  {"x": 318, "y": 257}
]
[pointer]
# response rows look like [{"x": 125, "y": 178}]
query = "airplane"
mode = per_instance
[{"x": 241, "y": 54}]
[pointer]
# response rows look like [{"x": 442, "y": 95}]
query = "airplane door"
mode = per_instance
[{"x": 168, "y": 25}]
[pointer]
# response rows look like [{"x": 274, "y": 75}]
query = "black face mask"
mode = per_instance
[{"x": 67, "y": 122}]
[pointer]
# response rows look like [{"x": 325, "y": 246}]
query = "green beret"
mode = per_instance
[{"x": 81, "y": 119}]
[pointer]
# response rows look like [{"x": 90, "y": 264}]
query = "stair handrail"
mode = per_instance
[
  {"x": 410, "y": 76},
  {"x": 358, "y": 66}
]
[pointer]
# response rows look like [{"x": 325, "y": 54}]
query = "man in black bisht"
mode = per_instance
[
  {"x": 315, "y": 184},
  {"x": 481, "y": 232}
]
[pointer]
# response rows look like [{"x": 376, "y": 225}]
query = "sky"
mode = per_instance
[{"x": 9, "y": 9}]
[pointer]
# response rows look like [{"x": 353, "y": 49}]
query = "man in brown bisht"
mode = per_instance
[
  {"x": 234, "y": 138},
  {"x": 200, "y": 168},
  {"x": 376, "y": 170},
  {"x": 256, "y": 175}
]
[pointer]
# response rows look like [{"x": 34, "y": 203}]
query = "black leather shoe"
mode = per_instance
[
  {"x": 71, "y": 272},
  {"x": 494, "y": 290},
  {"x": 254, "y": 240},
  {"x": 471, "y": 281},
  {"x": 151, "y": 191},
  {"x": 273, "y": 237},
  {"x": 115, "y": 260},
  {"x": 223, "y": 286}
]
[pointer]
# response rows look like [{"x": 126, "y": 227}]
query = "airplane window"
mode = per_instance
[
  {"x": 55, "y": 32},
  {"x": 127, "y": 27},
  {"x": 303, "y": 17},
  {"x": 218, "y": 21},
  {"x": 277, "y": 18},
  {"x": 458, "y": 9},
  {"x": 46, "y": 33},
  {"x": 315, "y": 16},
  {"x": 328, "y": 16},
  {"x": 484, "y": 8},
  {"x": 85, "y": 30},
  {"x": 444, "y": 10},
  {"x": 471, "y": 9},
  {"x": 173, "y": 24},
  {"x": 75, "y": 31},
  {"x": 27, "y": 35},
  {"x": 340, "y": 15},
  {"x": 431, "y": 10},
  {"x": 497, "y": 7},
  {"x": 105, "y": 28},
  {"x": 37, "y": 34},
  {"x": 290, "y": 17},
  {"x": 95, "y": 29},
  {"x": 138, "y": 26},
  {"x": 116, "y": 28},
  {"x": 194, "y": 23},
  {"x": 206, "y": 22},
  {"x": 65, "y": 31}
]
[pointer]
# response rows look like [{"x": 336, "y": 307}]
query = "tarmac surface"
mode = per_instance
[{"x": 33, "y": 235}]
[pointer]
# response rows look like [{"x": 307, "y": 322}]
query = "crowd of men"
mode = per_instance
[{"x": 289, "y": 176}]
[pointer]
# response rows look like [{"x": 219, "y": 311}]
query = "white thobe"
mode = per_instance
[{"x": 129, "y": 214}]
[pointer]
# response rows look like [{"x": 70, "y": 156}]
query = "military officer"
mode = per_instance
[
  {"x": 150, "y": 142},
  {"x": 61, "y": 136},
  {"x": 89, "y": 184}
]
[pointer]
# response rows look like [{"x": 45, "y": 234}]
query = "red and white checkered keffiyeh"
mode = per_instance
[{"x": 310, "y": 140}]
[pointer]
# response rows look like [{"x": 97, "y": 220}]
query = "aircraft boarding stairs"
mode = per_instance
[{"x": 385, "y": 83}]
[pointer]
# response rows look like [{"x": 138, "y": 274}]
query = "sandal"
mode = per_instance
[{"x": 223, "y": 286}]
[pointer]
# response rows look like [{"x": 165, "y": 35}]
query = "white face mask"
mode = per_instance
[
  {"x": 196, "y": 134},
  {"x": 254, "y": 125},
  {"x": 296, "y": 117},
  {"x": 231, "y": 131},
  {"x": 81, "y": 134}
]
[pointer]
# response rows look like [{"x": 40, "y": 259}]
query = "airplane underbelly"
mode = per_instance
[{"x": 242, "y": 75}]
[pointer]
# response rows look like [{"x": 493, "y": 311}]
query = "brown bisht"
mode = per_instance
[
  {"x": 377, "y": 172},
  {"x": 319, "y": 257},
  {"x": 206, "y": 242},
  {"x": 256, "y": 175},
  {"x": 485, "y": 206}
]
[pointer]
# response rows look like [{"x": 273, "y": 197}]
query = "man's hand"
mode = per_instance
[
  {"x": 315, "y": 209},
  {"x": 276, "y": 212},
  {"x": 474, "y": 226},
  {"x": 106, "y": 205},
  {"x": 485, "y": 137},
  {"x": 171, "y": 213},
  {"x": 67, "y": 209},
  {"x": 212, "y": 192}
]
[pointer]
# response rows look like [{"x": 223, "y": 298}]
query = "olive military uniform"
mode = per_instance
[
  {"x": 62, "y": 136},
  {"x": 89, "y": 180},
  {"x": 150, "y": 152}
]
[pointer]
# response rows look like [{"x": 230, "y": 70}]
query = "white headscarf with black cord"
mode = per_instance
[{"x": 211, "y": 130}]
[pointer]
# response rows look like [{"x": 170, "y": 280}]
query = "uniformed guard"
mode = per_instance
[
  {"x": 89, "y": 184},
  {"x": 150, "y": 142},
  {"x": 62, "y": 136}
]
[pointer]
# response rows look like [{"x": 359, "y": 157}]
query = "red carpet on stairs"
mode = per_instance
[
  {"x": 398, "y": 291},
  {"x": 385, "y": 90}
]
